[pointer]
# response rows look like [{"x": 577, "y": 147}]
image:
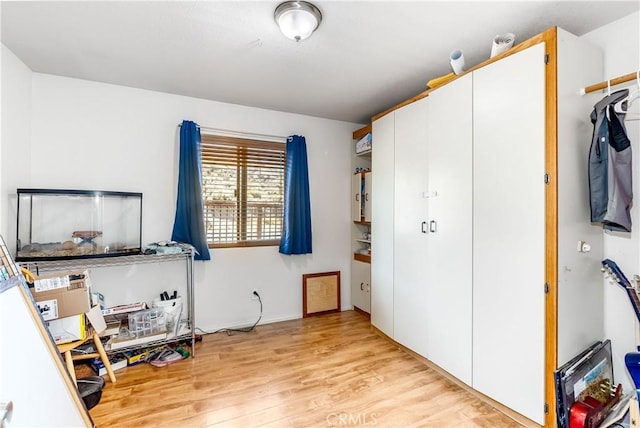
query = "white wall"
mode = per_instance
[
  {"x": 620, "y": 42},
  {"x": 15, "y": 163},
  {"x": 88, "y": 135},
  {"x": 579, "y": 277}
]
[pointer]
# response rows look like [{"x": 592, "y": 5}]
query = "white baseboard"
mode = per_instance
[{"x": 211, "y": 329}]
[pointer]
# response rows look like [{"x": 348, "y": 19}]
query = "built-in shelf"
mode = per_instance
[
  {"x": 361, "y": 191},
  {"x": 366, "y": 258},
  {"x": 359, "y": 133}
]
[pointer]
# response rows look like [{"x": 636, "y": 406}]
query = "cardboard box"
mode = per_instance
[
  {"x": 123, "y": 309},
  {"x": 68, "y": 329},
  {"x": 62, "y": 294},
  {"x": 112, "y": 327}
]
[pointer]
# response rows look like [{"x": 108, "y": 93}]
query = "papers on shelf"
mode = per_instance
[
  {"x": 364, "y": 144},
  {"x": 122, "y": 309}
]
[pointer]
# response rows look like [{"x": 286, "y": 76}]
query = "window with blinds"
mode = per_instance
[{"x": 243, "y": 191}]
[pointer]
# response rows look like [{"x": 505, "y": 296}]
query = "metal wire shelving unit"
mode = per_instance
[{"x": 187, "y": 255}]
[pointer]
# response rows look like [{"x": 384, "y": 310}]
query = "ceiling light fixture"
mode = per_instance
[{"x": 297, "y": 19}]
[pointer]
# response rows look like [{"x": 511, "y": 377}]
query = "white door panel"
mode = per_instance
[
  {"x": 368, "y": 194},
  {"x": 509, "y": 231},
  {"x": 448, "y": 270},
  {"x": 356, "y": 197},
  {"x": 410, "y": 213},
  {"x": 360, "y": 280},
  {"x": 382, "y": 163}
]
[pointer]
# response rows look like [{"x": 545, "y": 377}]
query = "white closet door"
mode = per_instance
[
  {"x": 368, "y": 193},
  {"x": 448, "y": 269},
  {"x": 410, "y": 243},
  {"x": 509, "y": 231},
  {"x": 382, "y": 225},
  {"x": 360, "y": 280},
  {"x": 356, "y": 197}
]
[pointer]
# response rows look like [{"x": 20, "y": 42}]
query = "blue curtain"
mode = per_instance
[
  {"x": 189, "y": 223},
  {"x": 296, "y": 231}
]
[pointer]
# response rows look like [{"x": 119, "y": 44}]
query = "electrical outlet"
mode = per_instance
[{"x": 253, "y": 296}]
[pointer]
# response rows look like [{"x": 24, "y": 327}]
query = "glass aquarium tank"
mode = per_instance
[{"x": 73, "y": 224}]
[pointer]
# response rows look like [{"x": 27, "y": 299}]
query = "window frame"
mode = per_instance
[{"x": 277, "y": 158}]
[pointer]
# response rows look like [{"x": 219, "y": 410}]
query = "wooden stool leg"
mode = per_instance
[
  {"x": 103, "y": 357},
  {"x": 72, "y": 370}
]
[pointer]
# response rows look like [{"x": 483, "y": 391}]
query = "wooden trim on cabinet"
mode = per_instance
[
  {"x": 365, "y": 258},
  {"x": 359, "y": 133},
  {"x": 519, "y": 47},
  {"x": 549, "y": 37},
  {"x": 411, "y": 100},
  {"x": 361, "y": 312}
]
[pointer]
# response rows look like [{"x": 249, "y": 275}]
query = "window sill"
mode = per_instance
[{"x": 246, "y": 244}]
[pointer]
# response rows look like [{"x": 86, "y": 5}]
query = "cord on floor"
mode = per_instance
[{"x": 230, "y": 331}]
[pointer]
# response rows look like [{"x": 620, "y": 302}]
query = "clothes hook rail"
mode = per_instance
[{"x": 608, "y": 83}]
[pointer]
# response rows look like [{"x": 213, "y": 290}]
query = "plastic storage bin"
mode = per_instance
[
  {"x": 144, "y": 323},
  {"x": 173, "y": 311}
]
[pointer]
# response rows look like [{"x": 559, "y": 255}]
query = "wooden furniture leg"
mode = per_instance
[
  {"x": 104, "y": 357},
  {"x": 634, "y": 411},
  {"x": 66, "y": 349},
  {"x": 68, "y": 358}
]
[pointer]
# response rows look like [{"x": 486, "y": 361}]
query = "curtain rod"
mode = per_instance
[
  {"x": 607, "y": 83},
  {"x": 237, "y": 134}
]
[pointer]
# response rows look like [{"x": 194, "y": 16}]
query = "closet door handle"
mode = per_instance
[
  {"x": 433, "y": 226},
  {"x": 362, "y": 286},
  {"x": 357, "y": 197},
  {"x": 366, "y": 197},
  {"x": 424, "y": 223}
]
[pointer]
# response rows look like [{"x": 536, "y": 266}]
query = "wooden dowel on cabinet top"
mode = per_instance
[
  {"x": 603, "y": 85},
  {"x": 359, "y": 133}
]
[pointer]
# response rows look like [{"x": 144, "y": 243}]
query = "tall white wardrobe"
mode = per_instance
[{"x": 481, "y": 198}]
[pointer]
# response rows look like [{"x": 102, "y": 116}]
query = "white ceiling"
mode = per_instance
[{"x": 365, "y": 57}]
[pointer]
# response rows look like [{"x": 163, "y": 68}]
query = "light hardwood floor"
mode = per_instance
[{"x": 330, "y": 370}]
